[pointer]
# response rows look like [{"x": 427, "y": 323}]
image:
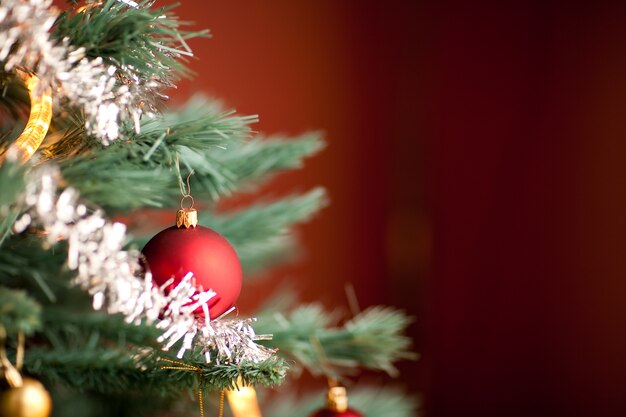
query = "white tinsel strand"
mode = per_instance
[
  {"x": 113, "y": 277},
  {"x": 106, "y": 97}
]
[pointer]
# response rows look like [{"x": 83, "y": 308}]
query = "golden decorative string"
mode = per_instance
[
  {"x": 220, "y": 413},
  {"x": 39, "y": 119},
  {"x": 181, "y": 366},
  {"x": 11, "y": 373}
]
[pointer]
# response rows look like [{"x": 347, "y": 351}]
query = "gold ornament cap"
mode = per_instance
[
  {"x": 186, "y": 217},
  {"x": 337, "y": 399}
]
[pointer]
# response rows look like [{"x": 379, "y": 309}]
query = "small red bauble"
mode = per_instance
[
  {"x": 331, "y": 413},
  {"x": 176, "y": 251},
  {"x": 337, "y": 404}
]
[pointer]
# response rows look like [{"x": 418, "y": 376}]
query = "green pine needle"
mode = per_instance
[
  {"x": 142, "y": 172},
  {"x": 138, "y": 40},
  {"x": 12, "y": 183},
  {"x": 373, "y": 339},
  {"x": 19, "y": 313},
  {"x": 261, "y": 233},
  {"x": 127, "y": 369}
]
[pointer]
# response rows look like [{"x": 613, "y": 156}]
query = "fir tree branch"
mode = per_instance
[
  {"x": 373, "y": 339},
  {"x": 97, "y": 352},
  {"x": 18, "y": 312},
  {"x": 101, "y": 370},
  {"x": 25, "y": 264},
  {"x": 260, "y": 233},
  {"x": 141, "y": 172},
  {"x": 222, "y": 171},
  {"x": 381, "y": 333},
  {"x": 131, "y": 370},
  {"x": 119, "y": 188},
  {"x": 265, "y": 155},
  {"x": 12, "y": 183},
  {"x": 268, "y": 373},
  {"x": 144, "y": 39},
  {"x": 200, "y": 124}
]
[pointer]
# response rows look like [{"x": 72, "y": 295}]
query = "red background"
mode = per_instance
[
  {"x": 476, "y": 171},
  {"x": 349, "y": 70},
  {"x": 476, "y": 168}
]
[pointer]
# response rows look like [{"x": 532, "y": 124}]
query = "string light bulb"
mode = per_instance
[{"x": 39, "y": 119}]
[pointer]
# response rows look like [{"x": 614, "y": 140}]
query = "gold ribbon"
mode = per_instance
[{"x": 180, "y": 366}]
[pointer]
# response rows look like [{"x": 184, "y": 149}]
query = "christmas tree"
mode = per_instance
[{"x": 94, "y": 163}]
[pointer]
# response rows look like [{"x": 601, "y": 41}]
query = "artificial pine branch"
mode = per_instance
[
  {"x": 373, "y": 339},
  {"x": 149, "y": 41},
  {"x": 261, "y": 233},
  {"x": 19, "y": 313},
  {"x": 128, "y": 369},
  {"x": 264, "y": 155},
  {"x": 26, "y": 264},
  {"x": 141, "y": 172},
  {"x": 96, "y": 352},
  {"x": 12, "y": 182}
]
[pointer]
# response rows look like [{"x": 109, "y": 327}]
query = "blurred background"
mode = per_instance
[
  {"x": 336, "y": 68},
  {"x": 475, "y": 164}
]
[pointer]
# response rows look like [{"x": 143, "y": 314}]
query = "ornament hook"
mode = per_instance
[
  {"x": 182, "y": 201},
  {"x": 186, "y": 194},
  {"x": 186, "y": 216}
]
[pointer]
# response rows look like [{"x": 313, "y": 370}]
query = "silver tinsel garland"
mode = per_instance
[
  {"x": 96, "y": 88},
  {"x": 114, "y": 279}
]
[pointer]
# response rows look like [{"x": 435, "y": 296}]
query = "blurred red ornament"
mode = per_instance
[
  {"x": 337, "y": 405},
  {"x": 187, "y": 247},
  {"x": 331, "y": 413}
]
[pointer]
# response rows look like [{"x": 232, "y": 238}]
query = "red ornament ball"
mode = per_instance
[
  {"x": 174, "y": 252},
  {"x": 326, "y": 412},
  {"x": 337, "y": 404}
]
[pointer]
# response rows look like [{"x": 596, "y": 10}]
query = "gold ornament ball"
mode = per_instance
[{"x": 29, "y": 400}]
